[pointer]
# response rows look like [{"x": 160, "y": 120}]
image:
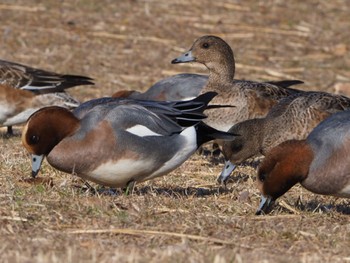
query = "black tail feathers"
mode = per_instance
[
  {"x": 286, "y": 83},
  {"x": 206, "y": 133}
]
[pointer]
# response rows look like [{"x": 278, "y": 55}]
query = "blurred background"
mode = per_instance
[{"x": 129, "y": 44}]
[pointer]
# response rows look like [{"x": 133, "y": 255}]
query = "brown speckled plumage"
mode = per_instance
[
  {"x": 301, "y": 115},
  {"x": 320, "y": 163},
  {"x": 40, "y": 81},
  {"x": 251, "y": 99},
  {"x": 25, "y": 89},
  {"x": 293, "y": 117}
]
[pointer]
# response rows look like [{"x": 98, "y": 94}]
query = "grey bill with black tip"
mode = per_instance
[
  {"x": 36, "y": 164},
  {"x": 187, "y": 57},
  {"x": 265, "y": 205},
  {"x": 226, "y": 171}
]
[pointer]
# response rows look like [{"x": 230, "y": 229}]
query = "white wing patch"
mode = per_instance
[
  {"x": 142, "y": 131},
  {"x": 188, "y": 98},
  {"x": 30, "y": 87}
]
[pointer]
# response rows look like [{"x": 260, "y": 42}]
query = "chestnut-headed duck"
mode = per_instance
[
  {"x": 117, "y": 142},
  {"x": 320, "y": 163},
  {"x": 293, "y": 117},
  {"x": 24, "y": 90},
  {"x": 251, "y": 99},
  {"x": 184, "y": 86}
]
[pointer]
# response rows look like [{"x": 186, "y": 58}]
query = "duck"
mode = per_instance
[
  {"x": 118, "y": 142},
  {"x": 183, "y": 86},
  {"x": 251, "y": 99},
  {"x": 293, "y": 117},
  {"x": 320, "y": 163},
  {"x": 24, "y": 89}
]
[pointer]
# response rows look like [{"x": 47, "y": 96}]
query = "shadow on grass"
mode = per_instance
[
  {"x": 5, "y": 135},
  {"x": 177, "y": 192},
  {"x": 237, "y": 177},
  {"x": 174, "y": 192},
  {"x": 316, "y": 206}
]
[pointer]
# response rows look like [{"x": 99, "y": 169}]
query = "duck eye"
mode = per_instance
[
  {"x": 205, "y": 45},
  {"x": 34, "y": 139},
  {"x": 262, "y": 177}
]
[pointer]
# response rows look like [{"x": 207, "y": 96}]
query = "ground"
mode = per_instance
[{"x": 184, "y": 216}]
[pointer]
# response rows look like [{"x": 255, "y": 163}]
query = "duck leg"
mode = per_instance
[
  {"x": 129, "y": 189},
  {"x": 9, "y": 131}
]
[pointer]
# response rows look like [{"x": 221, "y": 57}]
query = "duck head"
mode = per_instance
[{"x": 44, "y": 130}]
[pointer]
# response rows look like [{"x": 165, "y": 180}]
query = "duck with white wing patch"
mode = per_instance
[{"x": 115, "y": 142}]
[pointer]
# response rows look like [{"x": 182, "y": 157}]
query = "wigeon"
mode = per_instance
[
  {"x": 178, "y": 87},
  {"x": 24, "y": 90},
  {"x": 183, "y": 86},
  {"x": 293, "y": 117},
  {"x": 320, "y": 163},
  {"x": 117, "y": 142},
  {"x": 251, "y": 99}
]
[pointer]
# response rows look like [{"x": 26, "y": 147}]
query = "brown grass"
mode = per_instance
[{"x": 185, "y": 216}]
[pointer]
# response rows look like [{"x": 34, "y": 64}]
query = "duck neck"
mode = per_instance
[
  {"x": 61, "y": 128},
  {"x": 71, "y": 125},
  {"x": 222, "y": 72},
  {"x": 298, "y": 157},
  {"x": 286, "y": 165},
  {"x": 305, "y": 156}
]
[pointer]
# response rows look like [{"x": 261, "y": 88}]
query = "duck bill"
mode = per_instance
[
  {"x": 187, "y": 57},
  {"x": 226, "y": 172},
  {"x": 265, "y": 205},
  {"x": 36, "y": 164}
]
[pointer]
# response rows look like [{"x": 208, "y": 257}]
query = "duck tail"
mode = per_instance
[
  {"x": 76, "y": 80},
  {"x": 286, "y": 83},
  {"x": 215, "y": 106},
  {"x": 206, "y": 133},
  {"x": 46, "y": 82},
  {"x": 198, "y": 104},
  {"x": 206, "y": 97}
]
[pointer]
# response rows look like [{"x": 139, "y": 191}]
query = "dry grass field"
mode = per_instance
[{"x": 185, "y": 216}]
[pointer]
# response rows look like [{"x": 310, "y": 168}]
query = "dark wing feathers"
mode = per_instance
[
  {"x": 285, "y": 83},
  {"x": 321, "y": 102},
  {"x": 127, "y": 116},
  {"x": 182, "y": 113},
  {"x": 273, "y": 90},
  {"x": 36, "y": 80}
]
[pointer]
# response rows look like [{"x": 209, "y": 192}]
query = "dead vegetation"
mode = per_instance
[{"x": 185, "y": 216}]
